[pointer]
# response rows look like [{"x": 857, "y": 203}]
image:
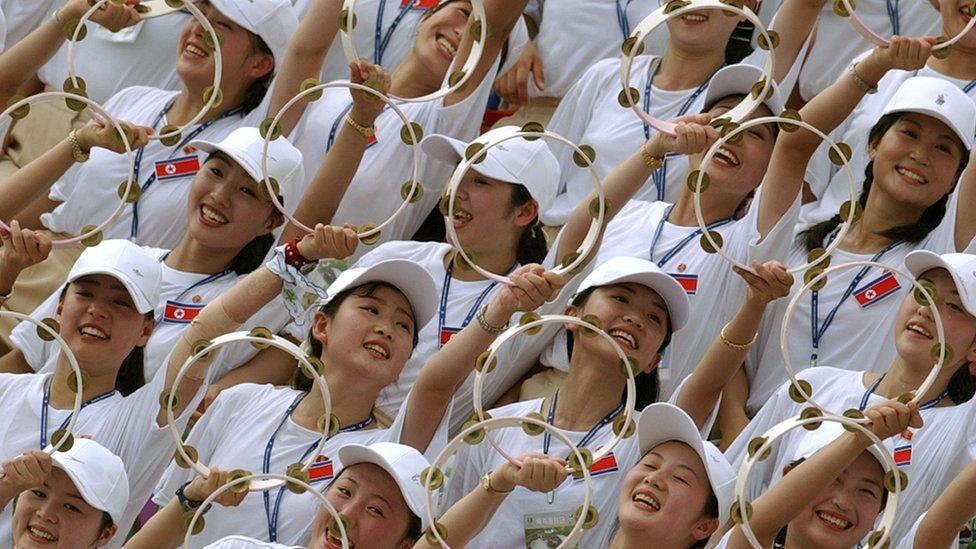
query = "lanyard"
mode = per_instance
[
  {"x": 684, "y": 241},
  {"x": 819, "y": 330},
  {"x": 266, "y": 465},
  {"x": 382, "y": 40},
  {"x": 660, "y": 176},
  {"x": 924, "y": 406},
  {"x": 965, "y": 89},
  {"x": 179, "y": 146},
  {"x": 197, "y": 284},
  {"x": 589, "y": 434},
  {"x": 335, "y": 126},
  {"x": 442, "y": 313},
  {"x": 893, "y": 16},
  {"x": 622, "y": 20},
  {"x": 47, "y": 399}
]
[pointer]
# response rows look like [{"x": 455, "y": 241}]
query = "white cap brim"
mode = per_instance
[
  {"x": 142, "y": 303},
  {"x": 353, "y": 454},
  {"x": 667, "y": 287},
  {"x": 411, "y": 279},
  {"x": 243, "y": 160},
  {"x": 451, "y": 151},
  {"x": 919, "y": 261}
]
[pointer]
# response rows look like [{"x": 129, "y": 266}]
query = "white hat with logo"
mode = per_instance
[
  {"x": 940, "y": 99},
  {"x": 408, "y": 277},
  {"x": 275, "y": 21},
  {"x": 98, "y": 474},
  {"x": 962, "y": 267},
  {"x": 739, "y": 79},
  {"x": 623, "y": 269},
  {"x": 131, "y": 264},
  {"x": 403, "y": 463}
]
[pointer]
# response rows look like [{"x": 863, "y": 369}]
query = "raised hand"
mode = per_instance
[
  {"x": 201, "y": 488},
  {"x": 539, "y": 473},
  {"x": 22, "y": 248},
  {"x": 892, "y": 417},
  {"x": 104, "y": 135},
  {"x": 329, "y": 241},
  {"x": 692, "y": 135},
  {"x": 513, "y": 86},
  {"x": 532, "y": 287},
  {"x": 904, "y": 53},
  {"x": 26, "y": 471},
  {"x": 770, "y": 282},
  {"x": 366, "y": 107},
  {"x": 111, "y": 16}
]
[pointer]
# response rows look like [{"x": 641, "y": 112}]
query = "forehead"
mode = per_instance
[
  {"x": 639, "y": 291},
  {"x": 929, "y": 124},
  {"x": 101, "y": 281},
  {"x": 231, "y": 167},
  {"x": 386, "y": 294},
  {"x": 941, "y": 278}
]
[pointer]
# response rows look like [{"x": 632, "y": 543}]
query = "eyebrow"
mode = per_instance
[
  {"x": 677, "y": 466},
  {"x": 385, "y": 302},
  {"x": 949, "y": 136}
]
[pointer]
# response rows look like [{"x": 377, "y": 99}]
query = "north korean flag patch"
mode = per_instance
[
  {"x": 603, "y": 466},
  {"x": 447, "y": 333},
  {"x": 903, "y": 455},
  {"x": 181, "y": 313},
  {"x": 419, "y": 4},
  {"x": 688, "y": 281},
  {"x": 320, "y": 470},
  {"x": 175, "y": 168},
  {"x": 876, "y": 290}
]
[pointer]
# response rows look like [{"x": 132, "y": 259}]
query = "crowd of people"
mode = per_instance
[{"x": 196, "y": 214}]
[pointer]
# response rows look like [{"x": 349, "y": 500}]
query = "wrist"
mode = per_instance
[
  {"x": 873, "y": 68},
  {"x": 493, "y": 318},
  {"x": 495, "y": 483},
  {"x": 363, "y": 117}
]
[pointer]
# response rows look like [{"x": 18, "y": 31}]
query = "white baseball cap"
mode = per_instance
[
  {"x": 940, "y": 99},
  {"x": 402, "y": 462},
  {"x": 131, "y": 264},
  {"x": 622, "y": 269},
  {"x": 812, "y": 442},
  {"x": 962, "y": 267},
  {"x": 408, "y": 277},
  {"x": 245, "y": 146},
  {"x": 739, "y": 79},
  {"x": 98, "y": 474},
  {"x": 275, "y": 21},
  {"x": 662, "y": 422},
  {"x": 518, "y": 161}
]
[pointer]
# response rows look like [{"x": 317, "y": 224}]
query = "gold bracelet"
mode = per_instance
[
  {"x": 652, "y": 162},
  {"x": 736, "y": 346},
  {"x": 367, "y": 131},
  {"x": 486, "y": 484},
  {"x": 860, "y": 82},
  {"x": 76, "y": 152}
]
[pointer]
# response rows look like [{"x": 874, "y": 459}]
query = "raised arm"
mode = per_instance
[
  {"x": 950, "y": 513},
  {"x": 965, "y": 221},
  {"x": 26, "y": 471},
  {"x": 795, "y": 20}
]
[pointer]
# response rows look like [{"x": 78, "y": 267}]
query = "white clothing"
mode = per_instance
[
  {"x": 908, "y": 540},
  {"x": 23, "y": 16},
  {"x": 241, "y": 542},
  {"x": 88, "y": 191},
  {"x": 939, "y": 451},
  {"x": 125, "y": 425},
  {"x": 860, "y": 337},
  {"x": 177, "y": 291},
  {"x": 234, "y": 433}
]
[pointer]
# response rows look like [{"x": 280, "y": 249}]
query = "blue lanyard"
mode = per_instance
[
  {"x": 547, "y": 438},
  {"x": 965, "y": 89},
  {"x": 660, "y": 176},
  {"x": 381, "y": 40},
  {"x": 622, "y": 20},
  {"x": 684, "y": 241},
  {"x": 266, "y": 465},
  {"x": 818, "y": 330},
  {"x": 924, "y": 406},
  {"x": 335, "y": 127},
  {"x": 446, "y": 290},
  {"x": 197, "y": 284},
  {"x": 893, "y": 16},
  {"x": 47, "y": 400},
  {"x": 179, "y": 146}
]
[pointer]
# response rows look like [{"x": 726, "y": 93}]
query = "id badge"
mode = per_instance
[{"x": 548, "y": 530}]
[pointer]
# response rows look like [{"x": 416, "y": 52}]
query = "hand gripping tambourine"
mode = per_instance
[
  {"x": 478, "y": 29},
  {"x": 188, "y": 457},
  {"x": 169, "y": 134},
  {"x": 847, "y": 8},
  {"x": 432, "y": 478},
  {"x": 802, "y": 391},
  {"x": 895, "y": 480},
  {"x": 789, "y": 121},
  {"x": 195, "y": 523},
  {"x": 531, "y": 323},
  {"x": 411, "y": 133},
  {"x": 128, "y": 191},
  {"x": 47, "y": 330},
  {"x": 583, "y": 156},
  {"x": 634, "y": 46}
]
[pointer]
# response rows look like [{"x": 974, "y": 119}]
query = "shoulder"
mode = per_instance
[
  {"x": 20, "y": 381},
  {"x": 419, "y": 252},
  {"x": 255, "y": 396},
  {"x": 138, "y": 100},
  {"x": 518, "y": 408}
]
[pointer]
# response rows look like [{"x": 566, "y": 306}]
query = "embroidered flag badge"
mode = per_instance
[
  {"x": 419, "y": 4},
  {"x": 181, "y": 313},
  {"x": 320, "y": 469},
  {"x": 876, "y": 290},
  {"x": 688, "y": 281},
  {"x": 175, "y": 168},
  {"x": 605, "y": 465},
  {"x": 903, "y": 455},
  {"x": 447, "y": 333}
]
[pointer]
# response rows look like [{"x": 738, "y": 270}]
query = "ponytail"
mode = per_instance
[
  {"x": 532, "y": 247},
  {"x": 962, "y": 385},
  {"x": 132, "y": 374}
]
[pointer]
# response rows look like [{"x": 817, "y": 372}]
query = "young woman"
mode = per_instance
[
  {"x": 229, "y": 226},
  {"x": 363, "y": 333},
  {"x": 910, "y": 200},
  {"x": 933, "y": 455},
  {"x": 832, "y": 494},
  {"x": 951, "y": 512}
]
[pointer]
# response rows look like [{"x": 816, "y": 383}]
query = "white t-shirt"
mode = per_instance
[
  {"x": 182, "y": 296},
  {"x": 838, "y": 42},
  {"x": 829, "y": 182},
  {"x": 141, "y": 55},
  {"x": 938, "y": 451},
  {"x": 125, "y": 425},
  {"x": 860, "y": 337},
  {"x": 908, "y": 540},
  {"x": 23, "y": 16},
  {"x": 234, "y": 433},
  {"x": 88, "y": 192},
  {"x": 241, "y": 542},
  {"x": 714, "y": 290}
]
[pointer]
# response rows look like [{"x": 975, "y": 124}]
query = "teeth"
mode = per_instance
[
  {"x": 620, "y": 334},
  {"x": 911, "y": 175},
  {"x": 94, "y": 332},
  {"x": 41, "y": 534},
  {"x": 462, "y": 215},
  {"x": 838, "y": 522},
  {"x": 919, "y": 330},
  {"x": 728, "y": 155},
  {"x": 376, "y": 349},
  {"x": 695, "y": 17},
  {"x": 648, "y": 500},
  {"x": 193, "y": 50},
  {"x": 447, "y": 46},
  {"x": 213, "y": 215}
]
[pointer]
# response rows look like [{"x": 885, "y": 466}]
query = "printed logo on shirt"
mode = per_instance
[
  {"x": 181, "y": 313},
  {"x": 175, "y": 168},
  {"x": 548, "y": 530},
  {"x": 688, "y": 281},
  {"x": 320, "y": 470},
  {"x": 447, "y": 333},
  {"x": 903, "y": 455},
  {"x": 419, "y": 4},
  {"x": 876, "y": 290}
]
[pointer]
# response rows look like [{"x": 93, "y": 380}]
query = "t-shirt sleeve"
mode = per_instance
[
  {"x": 942, "y": 239},
  {"x": 437, "y": 442},
  {"x": 24, "y": 336},
  {"x": 775, "y": 410},
  {"x": 745, "y": 242}
]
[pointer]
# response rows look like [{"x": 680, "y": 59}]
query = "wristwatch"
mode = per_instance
[
  {"x": 185, "y": 502},
  {"x": 486, "y": 484}
]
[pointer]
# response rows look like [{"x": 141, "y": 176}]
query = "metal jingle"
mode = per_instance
[
  {"x": 585, "y": 156},
  {"x": 819, "y": 258},
  {"x": 811, "y": 413},
  {"x": 841, "y": 10},
  {"x": 717, "y": 123},
  {"x": 754, "y": 446},
  {"x": 412, "y": 192},
  {"x": 197, "y": 526},
  {"x": 418, "y": 133},
  {"x": 93, "y": 239},
  {"x": 74, "y": 383},
  {"x": 479, "y": 363},
  {"x": 936, "y": 350},
  {"x": 333, "y": 424},
  {"x": 531, "y": 316},
  {"x": 76, "y": 105},
  {"x": 344, "y": 24},
  {"x": 456, "y": 77},
  {"x": 442, "y": 205},
  {"x": 62, "y": 440},
  {"x": 476, "y": 436},
  {"x": 632, "y": 45},
  {"x": 630, "y": 365},
  {"x": 429, "y": 533},
  {"x": 432, "y": 478},
  {"x": 263, "y": 333},
  {"x": 757, "y": 89},
  {"x": 773, "y": 37},
  {"x": 814, "y": 272},
  {"x": 191, "y": 453},
  {"x": 316, "y": 364},
  {"x": 334, "y": 530},
  {"x": 849, "y": 207},
  {"x": 237, "y": 474},
  {"x": 372, "y": 237},
  {"x": 135, "y": 191},
  {"x": 799, "y": 388},
  {"x": 569, "y": 258},
  {"x": 852, "y": 413},
  {"x": 164, "y": 398},
  {"x": 209, "y": 91},
  {"x": 737, "y": 511},
  {"x": 296, "y": 471},
  {"x": 170, "y": 135},
  {"x": 176, "y": 4},
  {"x": 594, "y": 207},
  {"x": 592, "y": 320},
  {"x": 889, "y": 480},
  {"x": 675, "y": 5},
  {"x": 50, "y": 323},
  {"x": 733, "y": 3},
  {"x": 142, "y": 9},
  {"x": 942, "y": 52},
  {"x": 533, "y": 127},
  {"x": 791, "y": 114},
  {"x": 920, "y": 297},
  {"x": 836, "y": 157},
  {"x": 471, "y": 150},
  {"x": 905, "y": 398},
  {"x": 692, "y": 181},
  {"x": 267, "y": 131},
  {"x": 77, "y": 83},
  {"x": 68, "y": 30},
  {"x": 311, "y": 83},
  {"x": 972, "y": 7},
  {"x": 618, "y": 427},
  {"x": 263, "y": 192},
  {"x": 208, "y": 41},
  {"x": 198, "y": 347},
  {"x": 574, "y": 463},
  {"x": 475, "y": 30},
  {"x": 875, "y": 537},
  {"x": 727, "y": 130},
  {"x": 592, "y": 516},
  {"x": 532, "y": 429},
  {"x": 21, "y": 111},
  {"x": 628, "y": 97},
  {"x": 707, "y": 245}
]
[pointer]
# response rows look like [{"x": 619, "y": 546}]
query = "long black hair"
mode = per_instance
[{"x": 532, "y": 246}]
